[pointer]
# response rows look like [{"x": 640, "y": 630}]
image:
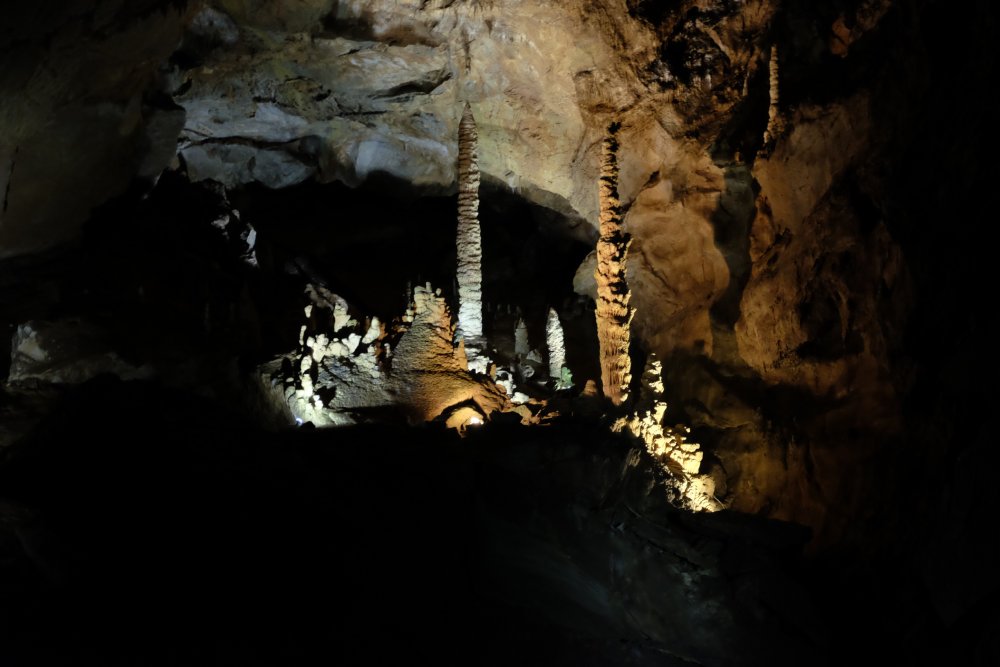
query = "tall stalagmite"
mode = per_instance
[
  {"x": 521, "y": 348},
  {"x": 555, "y": 342},
  {"x": 614, "y": 315},
  {"x": 470, "y": 250},
  {"x": 773, "y": 116}
]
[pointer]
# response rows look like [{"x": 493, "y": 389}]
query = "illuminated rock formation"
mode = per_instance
[
  {"x": 614, "y": 315},
  {"x": 468, "y": 239},
  {"x": 773, "y": 114},
  {"x": 555, "y": 345},
  {"x": 680, "y": 457},
  {"x": 341, "y": 370},
  {"x": 778, "y": 275}
]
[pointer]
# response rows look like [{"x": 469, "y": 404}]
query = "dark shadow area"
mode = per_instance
[
  {"x": 365, "y": 244},
  {"x": 732, "y": 221},
  {"x": 810, "y": 72},
  {"x": 368, "y": 243},
  {"x": 161, "y": 530},
  {"x": 143, "y": 525},
  {"x": 529, "y": 255}
]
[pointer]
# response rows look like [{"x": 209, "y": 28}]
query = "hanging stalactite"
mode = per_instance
[{"x": 614, "y": 314}]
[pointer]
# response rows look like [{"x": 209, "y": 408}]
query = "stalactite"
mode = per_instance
[
  {"x": 773, "y": 117},
  {"x": 470, "y": 252},
  {"x": 614, "y": 314},
  {"x": 555, "y": 342}
]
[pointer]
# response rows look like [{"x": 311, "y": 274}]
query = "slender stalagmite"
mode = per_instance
[
  {"x": 470, "y": 251},
  {"x": 521, "y": 348},
  {"x": 614, "y": 315},
  {"x": 772, "y": 111},
  {"x": 555, "y": 342}
]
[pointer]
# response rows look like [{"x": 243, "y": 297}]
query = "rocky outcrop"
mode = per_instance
[
  {"x": 66, "y": 352},
  {"x": 76, "y": 123},
  {"x": 680, "y": 457},
  {"x": 345, "y": 372},
  {"x": 763, "y": 272},
  {"x": 613, "y": 312}
]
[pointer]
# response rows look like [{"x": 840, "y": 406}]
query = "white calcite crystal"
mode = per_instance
[
  {"x": 341, "y": 318},
  {"x": 555, "y": 344},
  {"x": 505, "y": 380},
  {"x": 374, "y": 332}
]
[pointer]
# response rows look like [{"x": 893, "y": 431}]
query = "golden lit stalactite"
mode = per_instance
[
  {"x": 469, "y": 241},
  {"x": 614, "y": 314}
]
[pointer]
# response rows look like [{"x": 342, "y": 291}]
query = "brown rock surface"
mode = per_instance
[{"x": 769, "y": 279}]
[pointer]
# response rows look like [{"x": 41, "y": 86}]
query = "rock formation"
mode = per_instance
[
  {"x": 521, "y": 345},
  {"x": 614, "y": 314},
  {"x": 344, "y": 371},
  {"x": 773, "y": 112},
  {"x": 669, "y": 446},
  {"x": 469, "y": 239},
  {"x": 554, "y": 346},
  {"x": 819, "y": 326}
]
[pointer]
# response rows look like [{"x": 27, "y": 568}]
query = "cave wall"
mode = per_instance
[
  {"x": 79, "y": 119},
  {"x": 777, "y": 279}
]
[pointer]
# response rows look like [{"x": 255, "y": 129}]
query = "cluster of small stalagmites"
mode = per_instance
[
  {"x": 680, "y": 457},
  {"x": 332, "y": 346},
  {"x": 613, "y": 314},
  {"x": 540, "y": 366},
  {"x": 665, "y": 443}
]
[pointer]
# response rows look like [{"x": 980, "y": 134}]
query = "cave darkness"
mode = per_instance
[{"x": 158, "y": 507}]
